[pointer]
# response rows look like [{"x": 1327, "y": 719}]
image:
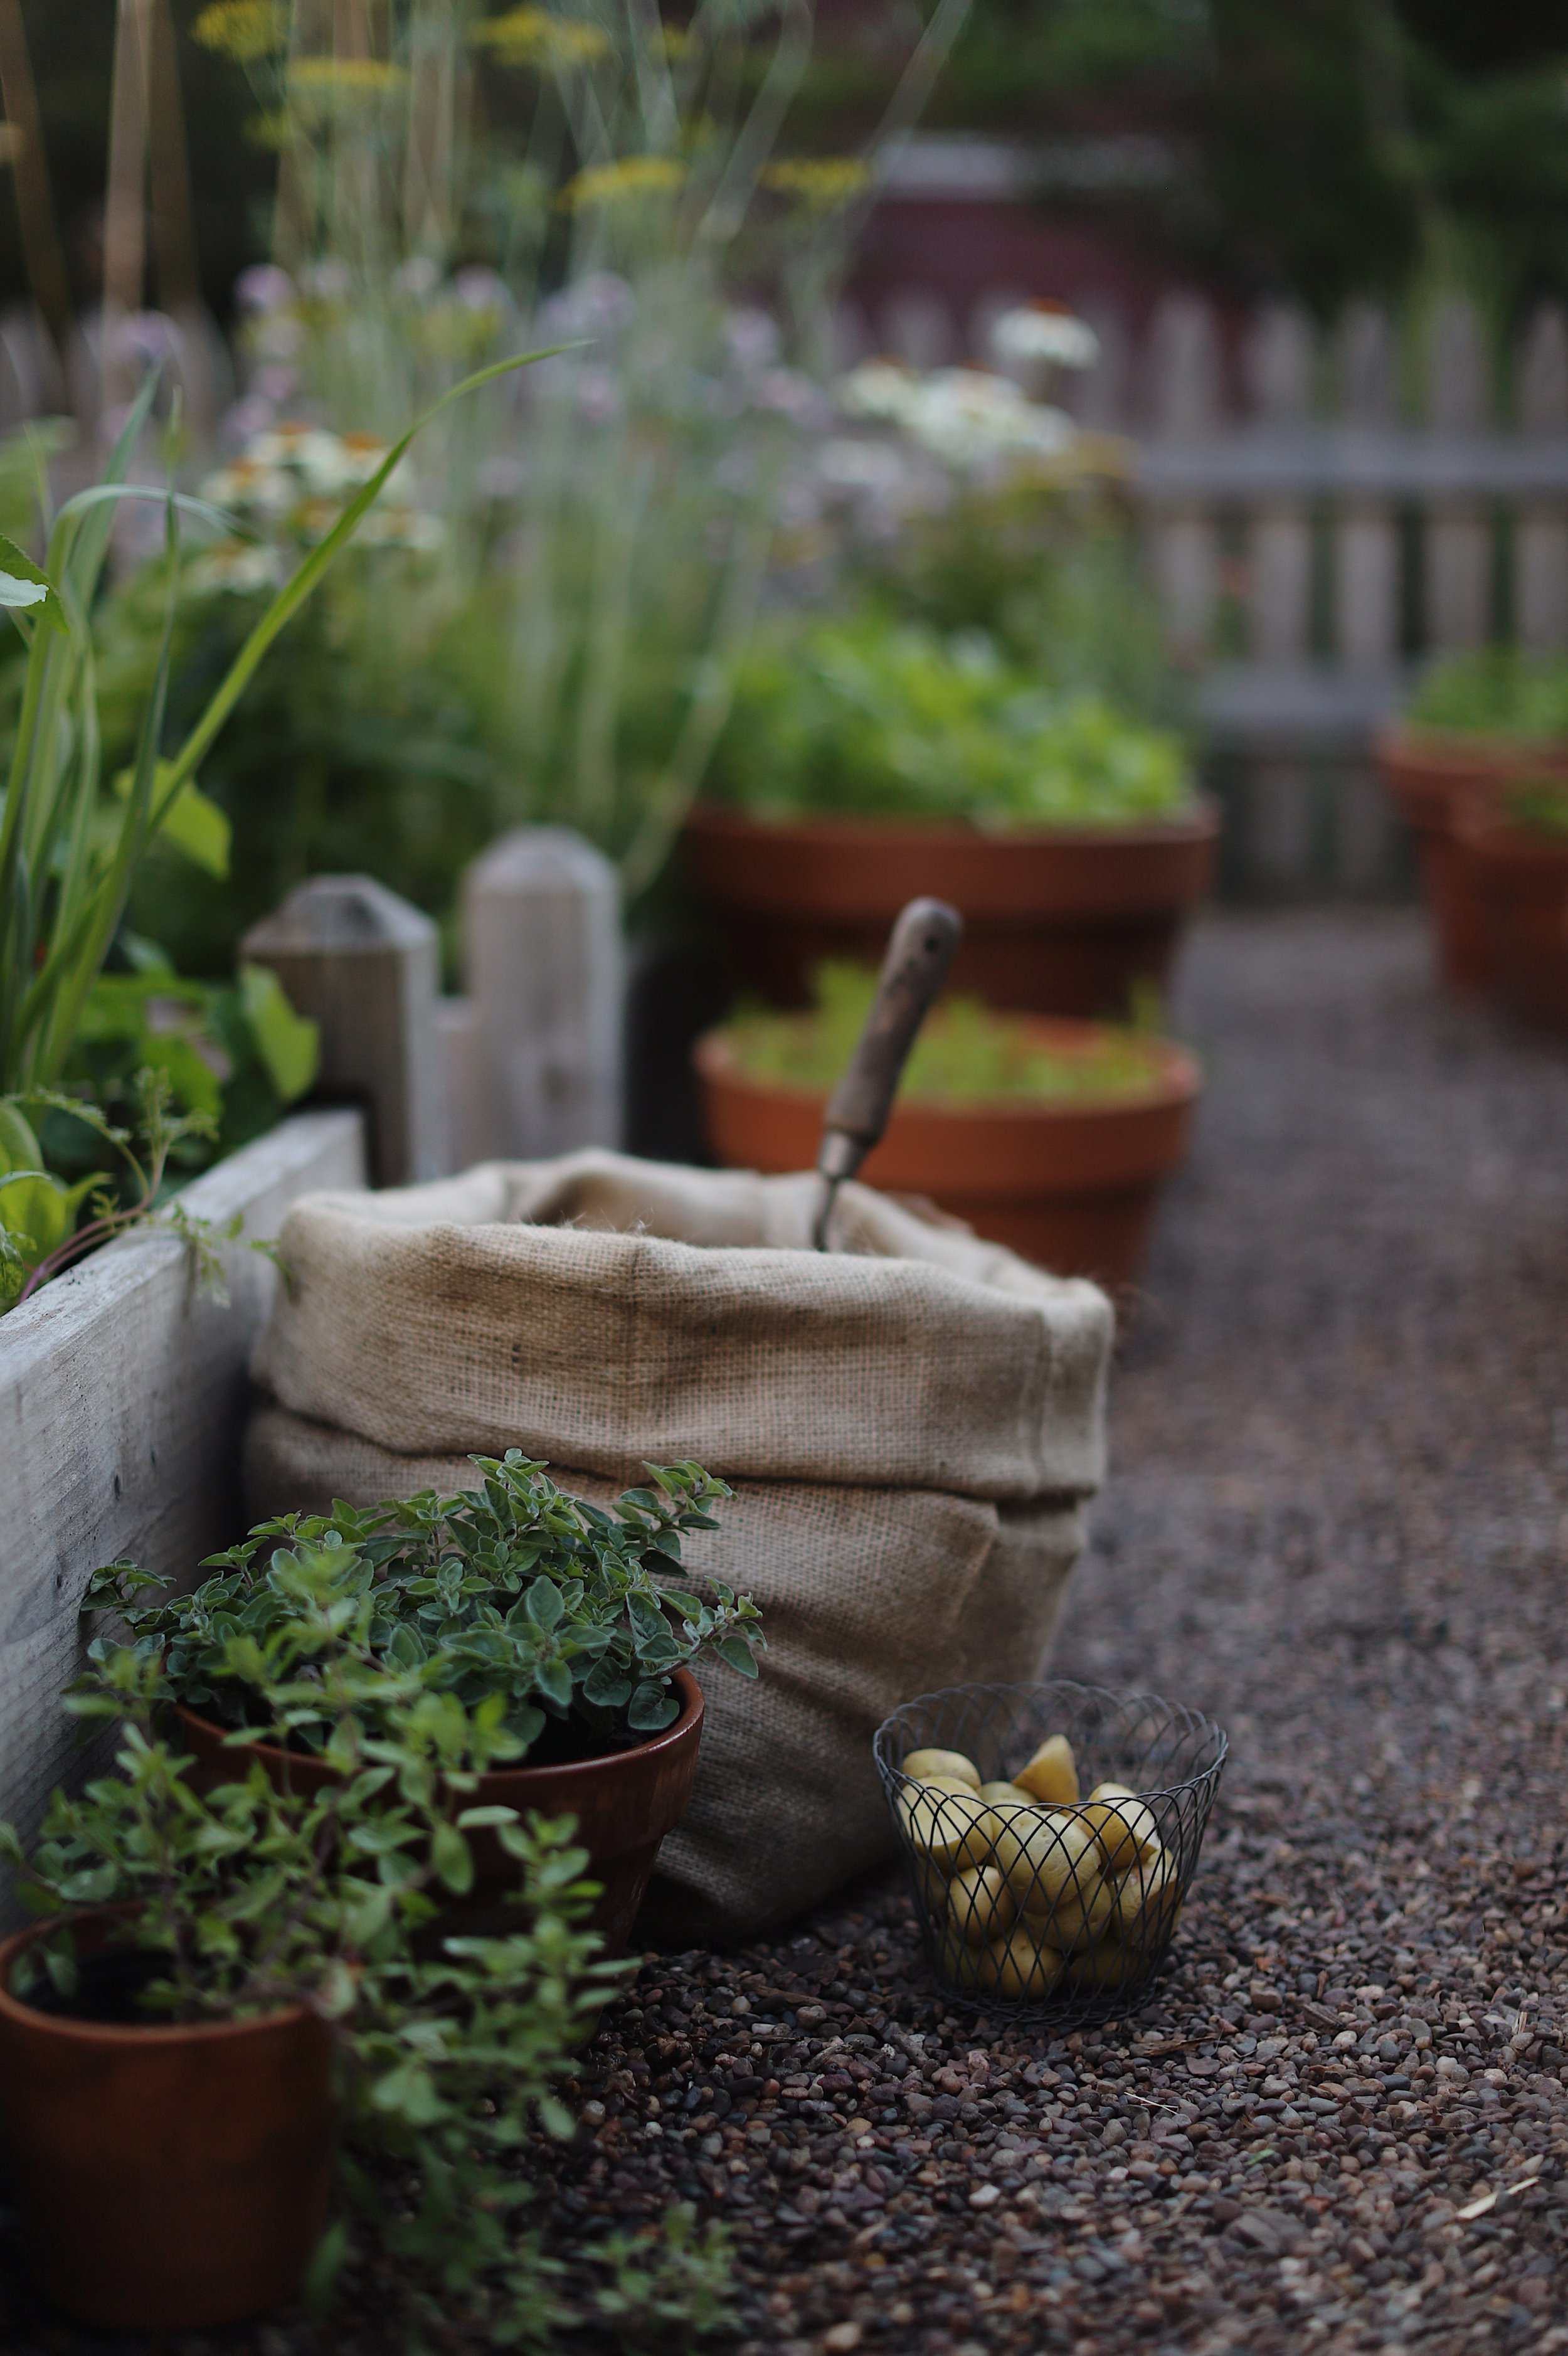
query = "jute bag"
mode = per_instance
[{"x": 912, "y": 1424}]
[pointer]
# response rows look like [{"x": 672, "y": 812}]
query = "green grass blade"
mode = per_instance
[{"x": 293, "y": 593}]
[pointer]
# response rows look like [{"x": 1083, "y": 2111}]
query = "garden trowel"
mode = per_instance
[{"x": 913, "y": 970}]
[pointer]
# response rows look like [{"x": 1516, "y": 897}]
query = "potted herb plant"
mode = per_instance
[
  {"x": 869, "y": 761},
  {"x": 1048, "y": 1135},
  {"x": 1481, "y": 725},
  {"x": 569, "y": 1626},
  {"x": 235, "y": 2020}
]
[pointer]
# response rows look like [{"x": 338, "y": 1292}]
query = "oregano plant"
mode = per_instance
[
  {"x": 559, "y": 1613},
  {"x": 451, "y": 2049}
]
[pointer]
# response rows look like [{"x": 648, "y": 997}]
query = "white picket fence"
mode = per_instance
[{"x": 1322, "y": 512}]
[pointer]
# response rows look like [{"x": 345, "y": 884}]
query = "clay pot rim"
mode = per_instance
[
  {"x": 105, "y": 2032},
  {"x": 690, "y": 1716},
  {"x": 1180, "y": 1082},
  {"x": 1197, "y": 821}
]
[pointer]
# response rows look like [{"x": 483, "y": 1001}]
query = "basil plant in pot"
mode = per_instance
[{"x": 573, "y": 1627}]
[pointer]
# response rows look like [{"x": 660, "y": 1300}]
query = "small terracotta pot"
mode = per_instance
[
  {"x": 1517, "y": 878},
  {"x": 1056, "y": 920},
  {"x": 625, "y": 1803},
  {"x": 1440, "y": 781},
  {"x": 1073, "y": 1186},
  {"x": 169, "y": 2179}
]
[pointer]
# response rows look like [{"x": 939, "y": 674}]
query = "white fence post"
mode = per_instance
[
  {"x": 534, "y": 1067},
  {"x": 1279, "y": 374},
  {"x": 1185, "y": 388},
  {"x": 1279, "y": 792},
  {"x": 365, "y": 965},
  {"x": 1458, "y": 532},
  {"x": 1366, "y": 537},
  {"x": 1541, "y": 534}
]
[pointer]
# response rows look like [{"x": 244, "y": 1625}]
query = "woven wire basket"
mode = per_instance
[{"x": 1062, "y": 1913}]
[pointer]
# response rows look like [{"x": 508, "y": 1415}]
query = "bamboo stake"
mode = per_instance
[
  {"x": 41, "y": 249},
  {"x": 125, "y": 220},
  {"x": 174, "y": 208}
]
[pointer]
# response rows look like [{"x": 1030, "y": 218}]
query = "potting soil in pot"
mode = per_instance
[{"x": 912, "y": 1424}]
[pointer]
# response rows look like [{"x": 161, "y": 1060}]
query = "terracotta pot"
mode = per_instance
[
  {"x": 169, "y": 2179},
  {"x": 1073, "y": 1186},
  {"x": 625, "y": 1803},
  {"x": 1056, "y": 921},
  {"x": 1438, "y": 781},
  {"x": 1517, "y": 877}
]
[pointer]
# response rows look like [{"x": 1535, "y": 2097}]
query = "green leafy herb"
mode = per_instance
[
  {"x": 452, "y": 2048},
  {"x": 1495, "y": 691},
  {"x": 513, "y": 1597},
  {"x": 965, "y": 1053},
  {"x": 871, "y": 718}
]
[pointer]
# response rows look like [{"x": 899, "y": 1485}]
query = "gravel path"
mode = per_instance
[{"x": 1337, "y": 1520}]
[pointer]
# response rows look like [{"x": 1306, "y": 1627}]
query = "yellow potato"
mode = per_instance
[
  {"x": 934, "y": 1766},
  {"x": 980, "y": 1906},
  {"x": 1051, "y": 1775},
  {"x": 949, "y": 1822},
  {"x": 1082, "y": 1912},
  {"x": 1012, "y": 1795},
  {"x": 1125, "y": 1827},
  {"x": 959, "y": 1962},
  {"x": 1022, "y": 1964},
  {"x": 1147, "y": 1901},
  {"x": 1108, "y": 1966},
  {"x": 1040, "y": 1852}
]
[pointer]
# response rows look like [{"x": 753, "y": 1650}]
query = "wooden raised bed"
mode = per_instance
[{"x": 122, "y": 1397}]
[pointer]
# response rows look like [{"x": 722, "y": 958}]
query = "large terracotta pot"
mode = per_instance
[
  {"x": 1055, "y": 920},
  {"x": 1517, "y": 877},
  {"x": 625, "y": 1803},
  {"x": 169, "y": 2179},
  {"x": 1073, "y": 1186},
  {"x": 1439, "y": 781}
]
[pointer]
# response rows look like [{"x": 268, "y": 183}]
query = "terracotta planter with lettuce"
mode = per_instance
[
  {"x": 1057, "y": 920},
  {"x": 1055, "y": 1139}
]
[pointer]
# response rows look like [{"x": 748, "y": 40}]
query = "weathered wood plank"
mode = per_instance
[
  {"x": 544, "y": 966},
  {"x": 121, "y": 1397},
  {"x": 366, "y": 966}
]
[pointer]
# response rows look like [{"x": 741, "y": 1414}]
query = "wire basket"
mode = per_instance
[{"x": 1051, "y": 1910}]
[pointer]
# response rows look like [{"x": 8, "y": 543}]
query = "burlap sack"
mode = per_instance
[{"x": 912, "y": 1423}]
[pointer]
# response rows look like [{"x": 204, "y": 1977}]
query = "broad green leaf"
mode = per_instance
[
  {"x": 554, "y": 1680},
  {"x": 543, "y": 1604},
  {"x": 19, "y": 1147},
  {"x": 738, "y": 1653},
  {"x": 288, "y": 1043},
  {"x": 652, "y": 1707},
  {"x": 409, "y": 2091},
  {"x": 194, "y": 825},
  {"x": 24, "y": 589},
  {"x": 453, "y": 1859}
]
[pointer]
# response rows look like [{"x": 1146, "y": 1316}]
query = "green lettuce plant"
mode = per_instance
[
  {"x": 450, "y": 2049},
  {"x": 514, "y": 1597},
  {"x": 871, "y": 717},
  {"x": 1495, "y": 691},
  {"x": 965, "y": 1054}
]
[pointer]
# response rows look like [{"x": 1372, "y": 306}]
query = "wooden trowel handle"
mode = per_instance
[{"x": 913, "y": 970}]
